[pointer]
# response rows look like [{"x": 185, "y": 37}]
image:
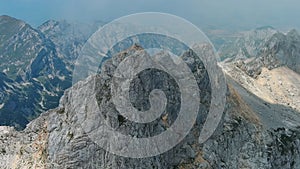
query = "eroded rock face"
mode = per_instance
[
  {"x": 79, "y": 150},
  {"x": 57, "y": 138},
  {"x": 26, "y": 149}
]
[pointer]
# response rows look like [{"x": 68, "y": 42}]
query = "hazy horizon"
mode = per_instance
[{"x": 232, "y": 14}]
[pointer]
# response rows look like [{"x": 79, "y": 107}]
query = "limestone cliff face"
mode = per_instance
[{"x": 246, "y": 138}]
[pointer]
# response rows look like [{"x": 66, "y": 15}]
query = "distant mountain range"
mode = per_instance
[
  {"x": 263, "y": 47},
  {"x": 36, "y": 66},
  {"x": 37, "y": 63},
  {"x": 246, "y": 44},
  {"x": 260, "y": 127}
]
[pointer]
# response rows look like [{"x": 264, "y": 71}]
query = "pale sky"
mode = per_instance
[{"x": 232, "y": 14}]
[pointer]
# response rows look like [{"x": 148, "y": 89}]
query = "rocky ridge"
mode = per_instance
[
  {"x": 246, "y": 138},
  {"x": 36, "y": 66},
  {"x": 260, "y": 127},
  {"x": 280, "y": 50},
  {"x": 246, "y": 44}
]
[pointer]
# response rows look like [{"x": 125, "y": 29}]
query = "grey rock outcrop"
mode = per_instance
[{"x": 244, "y": 139}]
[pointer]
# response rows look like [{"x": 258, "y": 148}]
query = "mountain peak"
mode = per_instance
[
  {"x": 10, "y": 25},
  {"x": 5, "y": 19},
  {"x": 265, "y": 28},
  {"x": 293, "y": 33},
  {"x": 50, "y": 22}
]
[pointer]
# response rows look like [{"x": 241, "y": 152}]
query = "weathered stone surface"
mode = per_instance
[{"x": 244, "y": 139}]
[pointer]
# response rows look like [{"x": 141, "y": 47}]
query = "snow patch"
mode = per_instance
[{"x": 6, "y": 70}]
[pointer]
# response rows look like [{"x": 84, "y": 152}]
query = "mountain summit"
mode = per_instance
[
  {"x": 259, "y": 128},
  {"x": 252, "y": 134}
]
